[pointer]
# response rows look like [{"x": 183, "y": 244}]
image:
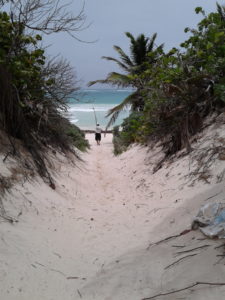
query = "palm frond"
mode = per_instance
[
  {"x": 130, "y": 36},
  {"x": 120, "y": 107},
  {"x": 112, "y": 119},
  {"x": 127, "y": 101},
  {"x": 139, "y": 50},
  {"x": 124, "y": 57},
  {"x": 114, "y": 79},
  {"x": 115, "y": 111},
  {"x": 160, "y": 47},
  {"x": 119, "y": 79},
  {"x": 152, "y": 42},
  {"x": 120, "y": 64},
  {"x": 221, "y": 11},
  {"x": 90, "y": 83}
]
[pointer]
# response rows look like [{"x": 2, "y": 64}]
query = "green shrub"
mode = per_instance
[
  {"x": 117, "y": 143},
  {"x": 77, "y": 137},
  {"x": 33, "y": 96},
  {"x": 180, "y": 89},
  {"x": 131, "y": 132}
]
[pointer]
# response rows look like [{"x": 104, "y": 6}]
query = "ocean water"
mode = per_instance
[{"x": 84, "y": 103}]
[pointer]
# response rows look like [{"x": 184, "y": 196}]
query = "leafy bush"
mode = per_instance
[
  {"x": 77, "y": 137},
  {"x": 185, "y": 87},
  {"x": 33, "y": 95},
  {"x": 180, "y": 88},
  {"x": 131, "y": 132},
  {"x": 117, "y": 143}
]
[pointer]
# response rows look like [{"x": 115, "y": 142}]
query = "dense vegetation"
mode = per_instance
[
  {"x": 33, "y": 88},
  {"x": 176, "y": 90}
]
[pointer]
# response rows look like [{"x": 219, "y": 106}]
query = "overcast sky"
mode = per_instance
[{"x": 111, "y": 18}]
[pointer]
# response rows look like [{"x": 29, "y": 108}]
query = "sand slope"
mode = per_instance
[{"x": 89, "y": 239}]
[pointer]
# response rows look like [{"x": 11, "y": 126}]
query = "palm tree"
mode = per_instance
[{"x": 132, "y": 65}]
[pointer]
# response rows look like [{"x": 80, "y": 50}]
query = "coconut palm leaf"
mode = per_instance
[
  {"x": 133, "y": 65},
  {"x": 127, "y": 101},
  {"x": 152, "y": 42},
  {"x": 114, "y": 79},
  {"x": 221, "y": 11},
  {"x": 139, "y": 49},
  {"x": 115, "y": 111},
  {"x": 160, "y": 48},
  {"x": 130, "y": 36},
  {"x": 125, "y": 58},
  {"x": 112, "y": 119},
  {"x": 123, "y": 66}
]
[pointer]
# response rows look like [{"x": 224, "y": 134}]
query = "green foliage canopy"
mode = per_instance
[
  {"x": 182, "y": 87},
  {"x": 33, "y": 93}
]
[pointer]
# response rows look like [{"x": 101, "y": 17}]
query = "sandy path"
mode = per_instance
[
  {"x": 88, "y": 239},
  {"x": 111, "y": 207},
  {"x": 67, "y": 236},
  {"x": 136, "y": 208}
]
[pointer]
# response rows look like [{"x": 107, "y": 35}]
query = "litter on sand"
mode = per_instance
[{"x": 211, "y": 220}]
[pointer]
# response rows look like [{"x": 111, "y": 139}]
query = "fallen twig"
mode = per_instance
[
  {"x": 33, "y": 266},
  {"x": 57, "y": 254},
  {"x": 79, "y": 293},
  {"x": 40, "y": 264},
  {"x": 213, "y": 196},
  {"x": 177, "y": 261},
  {"x": 58, "y": 271},
  {"x": 220, "y": 246},
  {"x": 50, "y": 269},
  {"x": 6, "y": 156},
  {"x": 221, "y": 258},
  {"x": 169, "y": 238},
  {"x": 4, "y": 215},
  {"x": 8, "y": 219},
  {"x": 185, "y": 288},
  {"x": 178, "y": 246},
  {"x": 193, "y": 249}
]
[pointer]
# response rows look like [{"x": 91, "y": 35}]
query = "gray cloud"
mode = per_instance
[{"x": 111, "y": 18}]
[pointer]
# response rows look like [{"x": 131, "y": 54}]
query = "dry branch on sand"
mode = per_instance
[
  {"x": 193, "y": 249},
  {"x": 169, "y": 238},
  {"x": 205, "y": 158},
  {"x": 4, "y": 215},
  {"x": 185, "y": 288},
  {"x": 177, "y": 261}
]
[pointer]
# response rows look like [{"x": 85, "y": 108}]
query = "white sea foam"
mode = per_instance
[
  {"x": 87, "y": 109},
  {"x": 129, "y": 91},
  {"x": 87, "y": 91},
  {"x": 74, "y": 120},
  {"x": 82, "y": 114}
]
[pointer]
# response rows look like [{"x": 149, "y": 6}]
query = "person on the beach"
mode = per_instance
[{"x": 98, "y": 132}]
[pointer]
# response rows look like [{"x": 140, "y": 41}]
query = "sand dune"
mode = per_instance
[{"x": 94, "y": 236}]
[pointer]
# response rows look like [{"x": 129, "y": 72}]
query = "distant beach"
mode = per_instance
[{"x": 83, "y": 104}]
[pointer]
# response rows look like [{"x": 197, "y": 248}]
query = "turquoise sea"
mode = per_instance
[{"x": 84, "y": 103}]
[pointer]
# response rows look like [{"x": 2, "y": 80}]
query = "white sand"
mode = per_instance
[{"x": 89, "y": 238}]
